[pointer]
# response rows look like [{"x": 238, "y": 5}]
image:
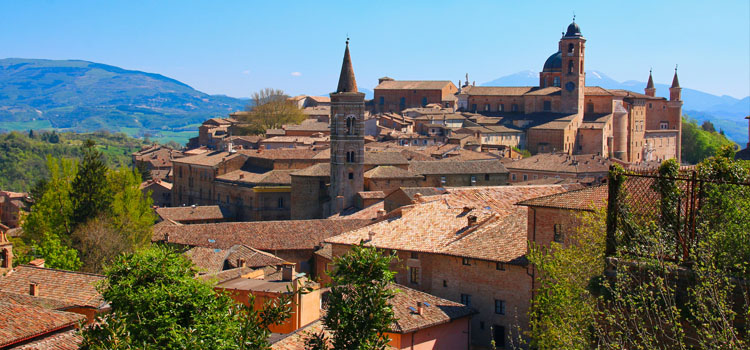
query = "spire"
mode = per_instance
[
  {"x": 675, "y": 81},
  {"x": 650, "y": 84},
  {"x": 347, "y": 82}
]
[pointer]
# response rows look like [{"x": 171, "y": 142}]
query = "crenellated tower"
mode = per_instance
[{"x": 347, "y": 139}]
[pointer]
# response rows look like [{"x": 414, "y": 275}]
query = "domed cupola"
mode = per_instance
[
  {"x": 553, "y": 63},
  {"x": 573, "y": 30}
]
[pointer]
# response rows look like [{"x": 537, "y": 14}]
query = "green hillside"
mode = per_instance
[
  {"x": 23, "y": 159},
  {"x": 85, "y": 96}
]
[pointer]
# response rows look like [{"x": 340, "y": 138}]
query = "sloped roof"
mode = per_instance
[
  {"x": 214, "y": 259},
  {"x": 198, "y": 213},
  {"x": 275, "y": 177},
  {"x": 320, "y": 169},
  {"x": 385, "y": 158},
  {"x": 26, "y": 299},
  {"x": 449, "y": 167},
  {"x": 68, "y": 340},
  {"x": 439, "y": 224},
  {"x": 585, "y": 199},
  {"x": 390, "y": 172},
  {"x": 263, "y": 235},
  {"x": 73, "y": 288},
  {"x": 561, "y": 163},
  {"x": 21, "y": 322},
  {"x": 413, "y": 84},
  {"x": 208, "y": 159},
  {"x": 438, "y": 312},
  {"x": 497, "y": 90}
]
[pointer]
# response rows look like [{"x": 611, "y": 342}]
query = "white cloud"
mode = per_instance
[{"x": 296, "y": 74}]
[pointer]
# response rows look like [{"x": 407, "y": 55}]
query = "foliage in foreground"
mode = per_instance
[
  {"x": 701, "y": 142},
  {"x": 85, "y": 214},
  {"x": 157, "y": 303},
  {"x": 359, "y": 313},
  {"x": 650, "y": 302}
]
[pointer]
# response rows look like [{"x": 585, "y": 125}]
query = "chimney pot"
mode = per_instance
[
  {"x": 420, "y": 308},
  {"x": 287, "y": 272},
  {"x": 381, "y": 213},
  {"x": 34, "y": 289},
  {"x": 472, "y": 220},
  {"x": 241, "y": 262}
]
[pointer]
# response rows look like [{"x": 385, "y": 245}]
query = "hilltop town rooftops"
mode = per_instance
[
  {"x": 308, "y": 125},
  {"x": 390, "y": 172},
  {"x": 66, "y": 340},
  {"x": 197, "y": 213},
  {"x": 27, "y": 299},
  {"x": 73, "y": 288},
  {"x": 447, "y": 167},
  {"x": 585, "y": 199},
  {"x": 441, "y": 224},
  {"x": 497, "y": 90},
  {"x": 208, "y": 159},
  {"x": 320, "y": 169},
  {"x": 282, "y": 153},
  {"x": 263, "y": 235},
  {"x": 214, "y": 260},
  {"x": 272, "y": 177},
  {"x": 25, "y": 322},
  {"x": 413, "y": 84},
  {"x": 561, "y": 163}
]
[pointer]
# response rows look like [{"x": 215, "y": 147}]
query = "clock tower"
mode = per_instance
[{"x": 572, "y": 77}]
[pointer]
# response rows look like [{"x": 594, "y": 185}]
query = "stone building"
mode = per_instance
[
  {"x": 588, "y": 167},
  {"x": 11, "y": 206},
  {"x": 562, "y": 114},
  {"x": 396, "y": 95},
  {"x": 467, "y": 246}
]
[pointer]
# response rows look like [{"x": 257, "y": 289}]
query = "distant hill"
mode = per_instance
[
  {"x": 86, "y": 96},
  {"x": 726, "y": 112}
]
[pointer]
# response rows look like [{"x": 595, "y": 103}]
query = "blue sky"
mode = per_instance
[{"x": 237, "y": 47}]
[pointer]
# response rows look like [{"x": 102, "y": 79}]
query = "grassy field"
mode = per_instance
[{"x": 25, "y": 126}]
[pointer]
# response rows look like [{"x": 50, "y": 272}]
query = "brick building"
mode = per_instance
[
  {"x": 468, "y": 246},
  {"x": 396, "y": 95},
  {"x": 157, "y": 159},
  {"x": 586, "y": 167},
  {"x": 11, "y": 206},
  {"x": 562, "y": 114}
]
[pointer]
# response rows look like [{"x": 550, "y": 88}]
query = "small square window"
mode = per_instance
[
  {"x": 466, "y": 261},
  {"x": 414, "y": 255},
  {"x": 486, "y": 177},
  {"x": 351, "y": 176},
  {"x": 499, "y": 307},
  {"x": 466, "y": 299},
  {"x": 500, "y": 266},
  {"x": 445, "y": 284}
]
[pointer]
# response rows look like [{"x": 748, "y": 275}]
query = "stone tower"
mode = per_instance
[
  {"x": 650, "y": 89},
  {"x": 674, "y": 109},
  {"x": 573, "y": 77},
  {"x": 347, "y": 139}
]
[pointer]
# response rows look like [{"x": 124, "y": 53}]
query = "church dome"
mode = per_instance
[
  {"x": 573, "y": 30},
  {"x": 553, "y": 63}
]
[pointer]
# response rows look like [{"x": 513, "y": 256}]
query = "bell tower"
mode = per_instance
[
  {"x": 573, "y": 77},
  {"x": 347, "y": 139}
]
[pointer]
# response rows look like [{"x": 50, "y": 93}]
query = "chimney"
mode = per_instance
[
  {"x": 241, "y": 262},
  {"x": 472, "y": 220},
  {"x": 37, "y": 262},
  {"x": 287, "y": 272},
  {"x": 467, "y": 209},
  {"x": 420, "y": 308},
  {"x": 34, "y": 289},
  {"x": 381, "y": 213},
  {"x": 417, "y": 198},
  {"x": 242, "y": 176},
  {"x": 166, "y": 237}
]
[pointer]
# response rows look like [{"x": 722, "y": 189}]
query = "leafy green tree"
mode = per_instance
[
  {"x": 698, "y": 143},
  {"x": 91, "y": 191},
  {"x": 359, "y": 313},
  {"x": 157, "y": 303},
  {"x": 270, "y": 110},
  {"x": 130, "y": 211}
]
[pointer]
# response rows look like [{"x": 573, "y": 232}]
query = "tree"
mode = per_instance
[
  {"x": 699, "y": 144},
  {"x": 708, "y": 126},
  {"x": 130, "y": 211},
  {"x": 157, "y": 303},
  {"x": 359, "y": 313},
  {"x": 91, "y": 191},
  {"x": 270, "y": 110},
  {"x": 99, "y": 243}
]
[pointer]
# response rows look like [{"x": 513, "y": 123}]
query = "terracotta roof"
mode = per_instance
[
  {"x": 296, "y": 340},
  {"x": 385, "y": 158},
  {"x": 74, "y": 288},
  {"x": 439, "y": 224},
  {"x": 272, "y": 177},
  {"x": 308, "y": 125},
  {"x": 390, "y": 172},
  {"x": 208, "y": 159},
  {"x": 326, "y": 251},
  {"x": 226, "y": 275},
  {"x": 586, "y": 199},
  {"x": 67, "y": 340},
  {"x": 370, "y": 213},
  {"x": 198, "y": 213},
  {"x": 320, "y": 169},
  {"x": 23, "y": 322},
  {"x": 596, "y": 91},
  {"x": 26, "y": 299},
  {"x": 560, "y": 121},
  {"x": 436, "y": 311},
  {"x": 263, "y": 235},
  {"x": 155, "y": 183},
  {"x": 547, "y": 91},
  {"x": 595, "y": 121},
  {"x": 631, "y": 94},
  {"x": 547, "y": 181},
  {"x": 561, "y": 163},
  {"x": 280, "y": 153},
  {"x": 497, "y": 90},
  {"x": 214, "y": 260},
  {"x": 449, "y": 167},
  {"x": 413, "y": 84}
]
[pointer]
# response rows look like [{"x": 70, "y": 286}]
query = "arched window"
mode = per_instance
[
  {"x": 571, "y": 47},
  {"x": 349, "y": 125},
  {"x": 570, "y": 67}
]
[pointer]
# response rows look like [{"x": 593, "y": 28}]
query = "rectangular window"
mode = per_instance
[
  {"x": 445, "y": 283},
  {"x": 498, "y": 335},
  {"x": 414, "y": 275},
  {"x": 501, "y": 107},
  {"x": 500, "y": 266},
  {"x": 547, "y": 106},
  {"x": 558, "y": 236},
  {"x": 499, "y": 307},
  {"x": 664, "y": 125},
  {"x": 442, "y": 180},
  {"x": 513, "y": 177},
  {"x": 525, "y": 177},
  {"x": 382, "y": 100},
  {"x": 351, "y": 176},
  {"x": 466, "y": 261},
  {"x": 466, "y": 299},
  {"x": 473, "y": 180},
  {"x": 414, "y": 255},
  {"x": 514, "y": 108}
]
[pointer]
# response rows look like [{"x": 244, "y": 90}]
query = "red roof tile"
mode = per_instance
[
  {"x": 23, "y": 322},
  {"x": 74, "y": 288}
]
